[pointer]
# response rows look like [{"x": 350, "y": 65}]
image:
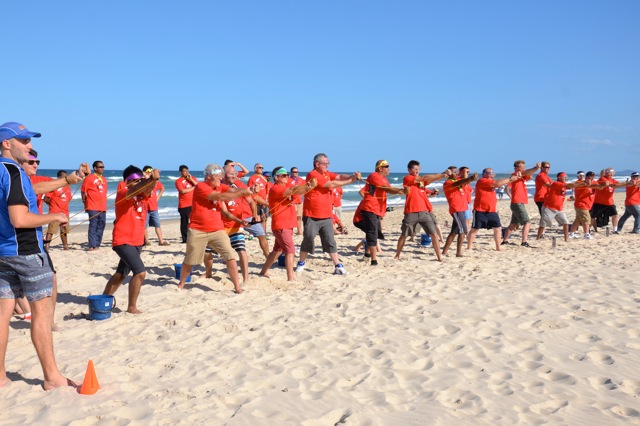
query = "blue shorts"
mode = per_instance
[
  {"x": 257, "y": 230},
  {"x": 485, "y": 220},
  {"x": 153, "y": 219},
  {"x": 28, "y": 275}
]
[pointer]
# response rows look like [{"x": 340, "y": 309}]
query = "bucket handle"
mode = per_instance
[{"x": 114, "y": 303}]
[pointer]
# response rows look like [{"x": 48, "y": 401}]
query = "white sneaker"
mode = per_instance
[
  {"x": 340, "y": 270},
  {"x": 574, "y": 235},
  {"x": 588, "y": 237},
  {"x": 300, "y": 267}
]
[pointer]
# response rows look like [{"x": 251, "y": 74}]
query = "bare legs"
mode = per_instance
[{"x": 134, "y": 289}]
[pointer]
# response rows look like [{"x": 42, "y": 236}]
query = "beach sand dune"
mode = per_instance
[{"x": 521, "y": 336}]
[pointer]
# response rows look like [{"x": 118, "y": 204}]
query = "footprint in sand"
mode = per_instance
[{"x": 600, "y": 358}]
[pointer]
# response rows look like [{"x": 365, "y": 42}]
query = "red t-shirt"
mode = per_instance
[
  {"x": 605, "y": 195},
  {"x": 541, "y": 188},
  {"x": 555, "y": 196},
  {"x": 184, "y": 200},
  {"x": 486, "y": 200},
  {"x": 633, "y": 196},
  {"x": 131, "y": 216},
  {"x": 59, "y": 200},
  {"x": 95, "y": 188},
  {"x": 152, "y": 203},
  {"x": 584, "y": 197},
  {"x": 519, "y": 192},
  {"x": 206, "y": 215},
  {"x": 40, "y": 197},
  {"x": 283, "y": 213},
  {"x": 297, "y": 198},
  {"x": 262, "y": 182},
  {"x": 318, "y": 203},
  {"x": 375, "y": 200},
  {"x": 244, "y": 211},
  {"x": 417, "y": 200},
  {"x": 337, "y": 196},
  {"x": 456, "y": 197}
]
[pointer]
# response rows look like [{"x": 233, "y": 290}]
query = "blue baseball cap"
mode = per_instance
[{"x": 16, "y": 130}]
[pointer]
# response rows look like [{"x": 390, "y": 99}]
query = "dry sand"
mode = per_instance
[{"x": 521, "y": 336}]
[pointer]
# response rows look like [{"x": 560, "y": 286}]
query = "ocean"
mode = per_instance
[{"x": 168, "y": 203}]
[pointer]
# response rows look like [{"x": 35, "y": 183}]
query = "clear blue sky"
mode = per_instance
[{"x": 480, "y": 83}]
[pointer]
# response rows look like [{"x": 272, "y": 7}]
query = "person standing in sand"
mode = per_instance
[
  {"x": 417, "y": 208},
  {"x": 317, "y": 212},
  {"x": 206, "y": 227},
  {"x": 519, "y": 200},
  {"x": 153, "y": 217},
  {"x": 128, "y": 232},
  {"x": 632, "y": 204},
  {"x": 94, "y": 196},
  {"x": 58, "y": 201},
  {"x": 283, "y": 220},
  {"x": 485, "y": 213},
  {"x": 543, "y": 183},
  {"x": 24, "y": 267},
  {"x": 373, "y": 206},
  {"x": 295, "y": 179},
  {"x": 185, "y": 185},
  {"x": 584, "y": 196},
  {"x": 554, "y": 205},
  {"x": 454, "y": 191},
  {"x": 604, "y": 206}
]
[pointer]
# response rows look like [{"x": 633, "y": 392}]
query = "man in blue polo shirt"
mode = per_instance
[{"x": 24, "y": 268}]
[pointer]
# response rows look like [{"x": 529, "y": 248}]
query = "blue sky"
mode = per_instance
[{"x": 446, "y": 83}]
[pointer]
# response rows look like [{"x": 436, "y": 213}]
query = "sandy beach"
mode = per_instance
[{"x": 521, "y": 336}]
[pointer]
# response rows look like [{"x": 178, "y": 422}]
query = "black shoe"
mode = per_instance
[
  {"x": 374, "y": 263},
  {"x": 525, "y": 244},
  {"x": 367, "y": 255},
  {"x": 504, "y": 243}
]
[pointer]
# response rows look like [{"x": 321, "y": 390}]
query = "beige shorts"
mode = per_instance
[
  {"x": 197, "y": 241},
  {"x": 55, "y": 228},
  {"x": 583, "y": 217}
]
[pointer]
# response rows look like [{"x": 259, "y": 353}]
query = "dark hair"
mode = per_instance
[
  {"x": 95, "y": 163},
  {"x": 294, "y": 167},
  {"x": 147, "y": 167},
  {"x": 182, "y": 167},
  {"x": 227, "y": 162},
  {"x": 131, "y": 169},
  {"x": 273, "y": 172},
  {"x": 462, "y": 168},
  {"x": 413, "y": 163},
  {"x": 61, "y": 172},
  {"x": 590, "y": 173},
  {"x": 33, "y": 153}
]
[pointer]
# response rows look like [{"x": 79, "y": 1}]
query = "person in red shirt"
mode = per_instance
[
  {"x": 94, "y": 196},
  {"x": 485, "y": 215},
  {"x": 239, "y": 173},
  {"x": 337, "y": 201},
  {"x": 417, "y": 208},
  {"x": 58, "y": 202},
  {"x": 519, "y": 200},
  {"x": 206, "y": 227},
  {"x": 295, "y": 179},
  {"x": 554, "y": 204},
  {"x": 317, "y": 212},
  {"x": 258, "y": 179},
  {"x": 543, "y": 182},
  {"x": 128, "y": 232},
  {"x": 373, "y": 206},
  {"x": 456, "y": 195},
  {"x": 604, "y": 206},
  {"x": 283, "y": 220},
  {"x": 632, "y": 204},
  {"x": 153, "y": 217},
  {"x": 185, "y": 185},
  {"x": 584, "y": 197}
]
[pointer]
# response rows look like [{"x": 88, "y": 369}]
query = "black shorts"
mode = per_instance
[
  {"x": 129, "y": 259},
  {"x": 485, "y": 220}
]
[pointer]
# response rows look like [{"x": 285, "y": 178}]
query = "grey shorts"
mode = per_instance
[
  {"x": 130, "y": 260},
  {"x": 153, "y": 219},
  {"x": 549, "y": 214},
  {"x": 27, "y": 276},
  {"x": 313, "y": 227},
  {"x": 257, "y": 230},
  {"x": 425, "y": 219},
  {"x": 459, "y": 225},
  {"x": 519, "y": 215}
]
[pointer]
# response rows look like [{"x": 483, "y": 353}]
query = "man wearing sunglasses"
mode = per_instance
[
  {"x": 24, "y": 267},
  {"x": 94, "y": 196}
]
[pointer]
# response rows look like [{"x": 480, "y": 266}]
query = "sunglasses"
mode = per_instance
[
  {"x": 283, "y": 175},
  {"x": 99, "y": 167},
  {"x": 260, "y": 168},
  {"x": 385, "y": 167},
  {"x": 32, "y": 162}
]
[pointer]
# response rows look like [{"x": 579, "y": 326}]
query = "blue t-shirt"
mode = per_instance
[{"x": 16, "y": 189}]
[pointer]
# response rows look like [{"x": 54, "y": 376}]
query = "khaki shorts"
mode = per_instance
[
  {"x": 548, "y": 215},
  {"x": 197, "y": 241},
  {"x": 55, "y": 228},
  {"x": 583, "y": 217}
]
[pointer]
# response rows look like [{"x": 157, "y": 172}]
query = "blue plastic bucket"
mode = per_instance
[
  {"x": 281, "y": 261},
  {"x": 425, "y": 240},
  {"x": 100, "y": 306},
  {"x": 178, "y": 267}
]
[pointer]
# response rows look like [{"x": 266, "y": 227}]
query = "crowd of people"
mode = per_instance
[{"x": 216, "y": 213}]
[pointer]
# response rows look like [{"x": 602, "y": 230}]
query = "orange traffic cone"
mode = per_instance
[{"x": 90, "y": 383}]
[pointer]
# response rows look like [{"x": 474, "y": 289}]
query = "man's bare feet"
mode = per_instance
[
  {"x": 5, "y": 382},
  {"x": 264, "y": 275},
  {"x": 238, "y": 290},
  {"x": 134, "y": 311},
  {"x": 58, "y": 383}
]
